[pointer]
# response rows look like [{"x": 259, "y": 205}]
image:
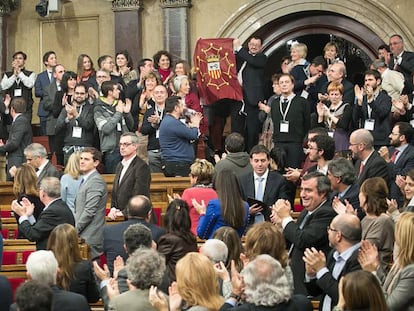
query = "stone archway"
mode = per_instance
[{"x": 365, "y": 23}]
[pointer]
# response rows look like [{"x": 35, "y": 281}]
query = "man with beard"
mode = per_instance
[
  {"x": 373, "y": 108},
  {"x": 368, "y": 162},
  {"x": 401, "y": 159},
  {"x": 321, "y": 150},
  {"x": 77, "y": 122}
]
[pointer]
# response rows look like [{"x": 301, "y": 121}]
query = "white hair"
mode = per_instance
[
  {"x": 216, "y": 250},
  {"x": 42, "y": 267}
]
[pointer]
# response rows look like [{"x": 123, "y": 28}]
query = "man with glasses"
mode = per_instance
[
  {"x": 132, "y": 176},
  {"x": 310, "y": 228},
  {"x": 368, "y": 161},
  {"x": 112, "y": 118},
  {"x": 76, "y": 120},
  {"x": 402, "y": 61}
]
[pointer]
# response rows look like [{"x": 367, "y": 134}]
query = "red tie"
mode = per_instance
[
  {"x": 394, "y": 155},
  {"x": 361, "y": 168}
]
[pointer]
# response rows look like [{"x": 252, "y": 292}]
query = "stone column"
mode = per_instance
[
  {"x": 128, "y": 27},
  {"x": 6, "y": 7},
  {"x": 175, "y": 28}
]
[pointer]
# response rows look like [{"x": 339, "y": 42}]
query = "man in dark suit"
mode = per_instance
[
  {"x": 373, "y": 108},
  {"x": 42, "y": 266},
  {"x": 251, "y": 64},
  {"x": 56, "y": 212},
  {"x": 36, "y": 156},
  {"x": 42, "y": 80},
  {"x": 402, "y": 61},
  {"x": 310, "y": 228},
  {"x": 402, "y": 157},
  {"x": 20, "y": 136},
  {"x": 323, "y": 273},
  {"x": 139, "y": 211},
  {"x": 344, "y": 188},
  {"x": 90, "y": 201},
  {"x": 132, "y": 176},
  {"x": 262, "y": 184},
  {"x": 368, "y": 162}
]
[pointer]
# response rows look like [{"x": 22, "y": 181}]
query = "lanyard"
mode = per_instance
[{"x": 287, "y": 109}]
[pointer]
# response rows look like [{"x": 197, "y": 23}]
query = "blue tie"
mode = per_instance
[{"x": 259, "y": 194}]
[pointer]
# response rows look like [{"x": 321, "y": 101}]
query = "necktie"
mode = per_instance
[
  {"x": 361, "y": 168},
  {"x": 394, "y": 155},
  {"x": 259, "y": 193},
  {"x": 395, "y": 64},
  {"x": 285, "y": 102}
]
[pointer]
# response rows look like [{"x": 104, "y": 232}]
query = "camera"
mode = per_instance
[{"x": 42, "y": 8}]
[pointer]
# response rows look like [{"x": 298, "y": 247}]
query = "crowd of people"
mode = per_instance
[{"x": 347, "y": 149}]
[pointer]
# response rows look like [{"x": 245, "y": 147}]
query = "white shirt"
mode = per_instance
[{"x": 125, "y": 164}]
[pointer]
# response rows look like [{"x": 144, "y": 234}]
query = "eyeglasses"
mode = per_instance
[
  {"x": 124, "y": 144},
  {"x": 331, "y": 229},
  {"x": 312, "y": 148},
  {"x": 78, "y": 93}
]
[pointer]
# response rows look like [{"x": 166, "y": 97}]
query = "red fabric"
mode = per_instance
[
  {"x": 215, "y": 65},
  {"x": 15, "y": 282},
  {"x": 158, "y": 211},
  {"x": 164, "y": 73},
  {"x": 5, "y": 214},
  {"x": 9, "y": 258},
  {"x": 25, "y": 255}
]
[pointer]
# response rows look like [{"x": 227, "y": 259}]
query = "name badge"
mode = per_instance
[
  {"x": 284, "y": 126},
  {"x": 118, "y": 127},
  {"x": 157, "y": 134},
  {"x": 369, "y": 124},
  {"x": 412, "y": 123},
  {"x": 304, "y": 94},
  {"x": 77, "y": 132},
  {"x": 331, "y": 133},
  {"x": 17, "y": 92}
]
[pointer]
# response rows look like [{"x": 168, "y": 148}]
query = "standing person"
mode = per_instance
[
  {"x": 90, "y": 202},
  {"x": 75, "y": 274},
  {"x": 70, "y": 181},
  {"x": 44, "y": 79},
  {"x": 228, "y": 209},
  {"x": 176, "y": 138},
  {"x": 337, "y": 73},
  {"x": 55, "y": 213},
  {"x": 75, "y": 123},
  {"x": 163, "y": 65},
  {"x": 150, "y": 126},
  {"x": 330, "y": 52},
  {"x": 373, "y": 109},
  {"x": 85, "y": 70},
  {"x": 112, "y": 118},
  {"x": 124, "y": 67},
  {"x": 132, "y": 176},
  {"x": 310, "y": 228},
  {"x": 19, "y": 82},
  {"x": 19, "y": 138},
  {"x": 251, "y": 63},
  {"x": 179, "y": 240}
]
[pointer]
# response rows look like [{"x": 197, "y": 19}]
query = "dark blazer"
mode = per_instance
[
  {"x": 253, "y": 75},
  {"x": 327, "y": 284},
  {"x": 313, "y": 234},
  {"x": 349, "y": 93},
  {"x": 49, "y": 94},
  {"x": 296, "y": 302},
  {"x": 48, "y": 171},
  {"x": 84, "y": 281},
  {"x": 55, "y": 214},
  {"x": 136, "y": 181},
  {"x": 381, "y": 113},
  {"x": 404, "y": 163},
  {"x": 42, "y": 81},
  {"x": 375, "y": 167},
  {"x": 20, "y": 137},
  {"x": 352, "y": 196},
  {"x": 406, "y": 68},
  {"x": 114, "y": 238},
  {"x": 6, "y": 297},
  {"x": 275, "y": 189}
]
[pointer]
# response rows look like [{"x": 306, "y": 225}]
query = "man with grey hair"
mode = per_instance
[
  {"x": 368, "y": 161},
  {"x": 56, "y": 212},
  {"x": 392, "y": 80},
  {"x": 344, "y": 188},
  {"x": 216, "y": 250},
  {"x": 337, "y": 73},
  {"x": 145, "y": 267},
  {"x": 36, "y": 156},
  {"x": 265, "y": 285},
  {"x": 310, "y": 228},
  {"x": 324, "y": 272},
  {"x": 42, "y": 266}
]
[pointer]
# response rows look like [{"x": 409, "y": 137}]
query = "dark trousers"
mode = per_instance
[
  {"x": 174, "y": 168},
  {"x": 111, "y": 160},
  {"x": 253, "y": 126}
]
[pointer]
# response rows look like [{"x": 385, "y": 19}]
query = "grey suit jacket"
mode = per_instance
[
  {"x": 90, "y": 212},
  {"x": 49, "y": 93},
  {"x": 133, "y": 300},
  {"x": 48, "y": 171},
  {"x": 401, "y": 297}
]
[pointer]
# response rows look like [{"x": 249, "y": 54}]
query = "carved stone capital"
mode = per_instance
[
  {"x": 7, "y": 6},
  {"x": 175, "y": 3},
  {"x": 127, "y": 5}
]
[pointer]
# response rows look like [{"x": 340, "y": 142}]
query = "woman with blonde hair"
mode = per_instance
[
  {"x": 25, "y": 186},
  {"x": 70, "y": 181},
  {"x": 196, "y": 287},
  {"x": 330, "y": 52},
  {"x": 201, "y": 180},
  {"x": 75, "y": 274},
  {"x": 298, "y": 53},
  {"x": 398, "y": 284}
]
